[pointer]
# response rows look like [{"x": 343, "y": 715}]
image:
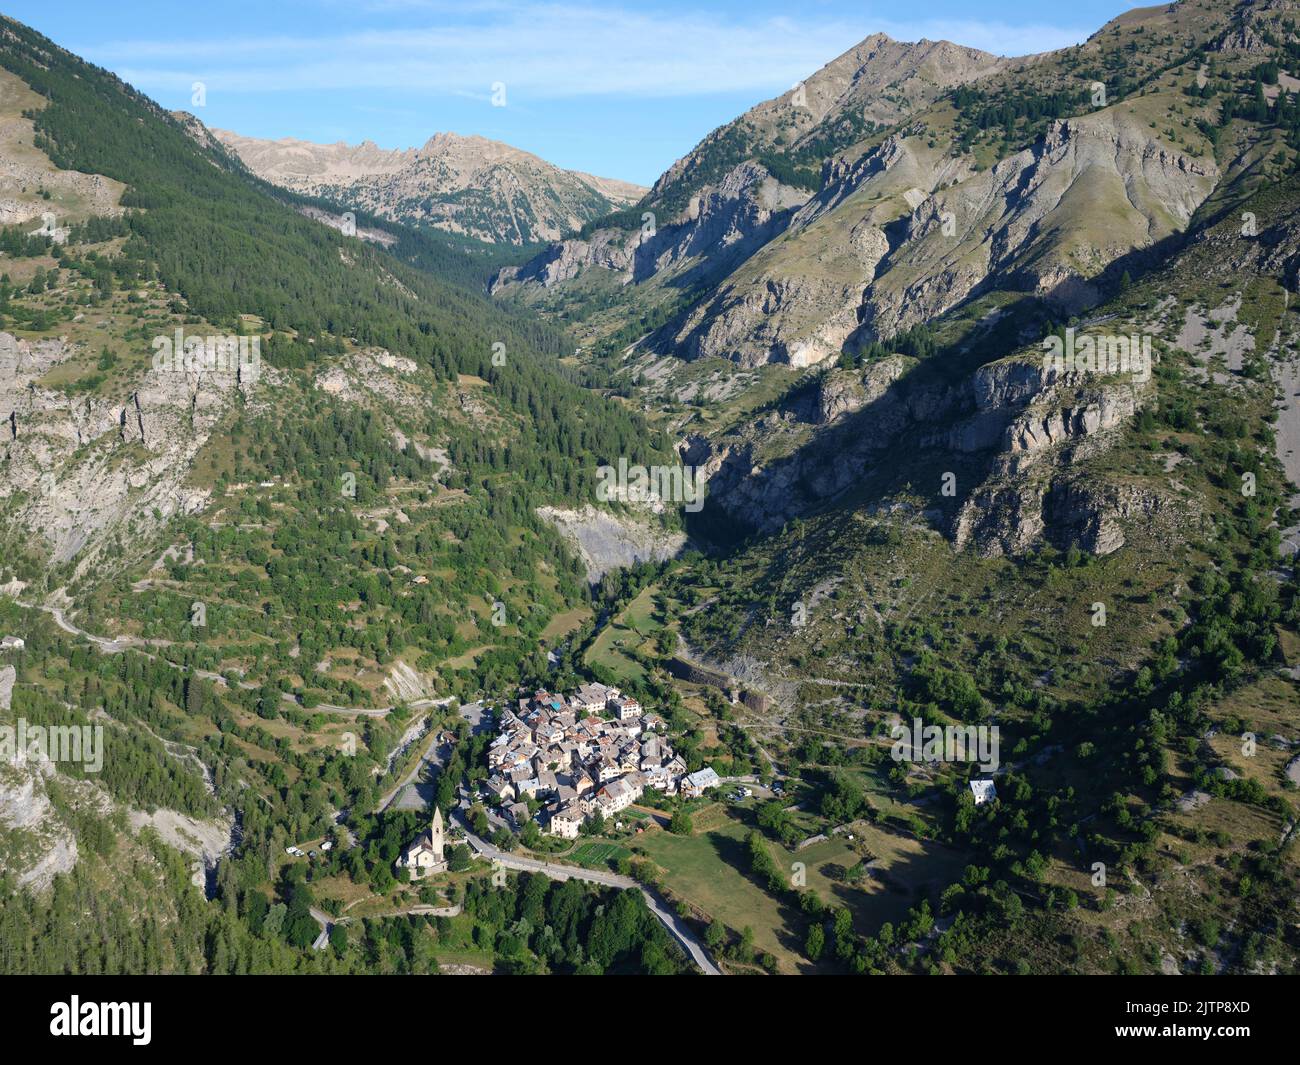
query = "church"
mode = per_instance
[{"x": 425, "y": 855}]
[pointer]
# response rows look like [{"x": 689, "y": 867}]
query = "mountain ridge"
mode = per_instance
[{"x": 464, "y": 184}]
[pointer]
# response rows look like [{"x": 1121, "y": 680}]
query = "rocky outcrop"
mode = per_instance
[
  {"x": 36, "y": 845},
  {"x": 725, "y": 221},
  {"x": 841, "y": 392},
  {"x": 31, "y": 186},
  {"x": 38, "y": 841},
  {"x": 1023, "y": 424},
  {"x": 80, "y": 471},
  {"x": 607, "y": 249},
  {"x": 1058, "y": 409},
  {"x": 801, "y": 318},
  {"x": 1046, "y": 220},
  {"x": 606, "y": 541},
  {"x": 1002, "y": 520},
  {"x": 722, "y": 225},
  {"x": 1069, "y": 511},
  {"x": 879, "y": 79}
]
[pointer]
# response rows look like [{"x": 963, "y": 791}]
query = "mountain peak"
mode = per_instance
[{"x": 465, "y": 184}]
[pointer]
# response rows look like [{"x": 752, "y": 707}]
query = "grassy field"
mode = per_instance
[
  {"x": 606, "y": 652},
  {"x": 479, "y": 959},
  {"x": 709, "y": 869},
  {"x": 905, "y": 871},
  {"x": 598, "y": 854},
  {"x": 564, "y": 623},
  {"x": 628, "y": 631},
  {"x": 639, "y": 614},
  {"x": 705, "y": 869}
]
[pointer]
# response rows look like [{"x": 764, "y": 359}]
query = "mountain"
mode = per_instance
[
  {"x": 1007, "y": 193},
  {"x": 890, "y": 187},
  {"x": 989, "y": 370},
  {"x": 873, "y": 85},
  {"x": 911, "y": 513},
  {"x": 740, "y": 187},
  {"x": 196, "y": 378},
  {"x": 467, "y": 185}
]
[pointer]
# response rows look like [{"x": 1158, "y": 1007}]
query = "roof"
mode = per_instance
[
  {"x": 703, "y": 778},
  {"x": 983, "y": 790},
  {"x": 617, "y": 787},
  {"x": 424, "y": 843},
  {"x": 567, "y": 813}
]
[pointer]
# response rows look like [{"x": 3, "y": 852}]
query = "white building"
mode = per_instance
[
  {"x": 425, "y": 855},
  {"x": 697, "y": 783},
  {"x": 567, "y": 821},
  {"x": 617, "y": 795},
  {"x": 984, "y": 791}
]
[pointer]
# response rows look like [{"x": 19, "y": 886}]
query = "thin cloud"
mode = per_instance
[{"x": 555, "y": 52}]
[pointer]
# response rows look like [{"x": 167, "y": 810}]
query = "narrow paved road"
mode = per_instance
[
  {"x": 431, "y": 755},
  {"x": 435, "y": 754},
  {"x": 117, "y": 646},
  {"x": 326, "y": 923},
  {"x": 677, "y": 928}
]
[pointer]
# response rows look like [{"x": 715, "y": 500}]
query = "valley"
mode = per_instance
[{"x": 986, "y": 368}]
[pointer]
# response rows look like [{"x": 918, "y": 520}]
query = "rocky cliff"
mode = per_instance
[
  {"x": 89, "y": 474},
  {"x": 1024, "y": 426}
]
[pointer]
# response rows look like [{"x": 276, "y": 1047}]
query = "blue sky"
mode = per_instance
[{"x": 613, "y": 87}]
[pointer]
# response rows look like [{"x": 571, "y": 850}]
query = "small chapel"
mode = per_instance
[{"x": 425, "y": 855}]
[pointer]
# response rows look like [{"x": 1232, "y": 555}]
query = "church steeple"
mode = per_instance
[{"x": 435, "y": 833}]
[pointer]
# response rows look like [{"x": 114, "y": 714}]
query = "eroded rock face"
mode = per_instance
[
  {"x": 607, "y": 249},
  {"x": 606, "y": 541},
  {"x": 800, "y": 319},
  {"x": 80, "y": 471},
  {"x": 1024, "y": 424},
  {"x": 1046, "y": 220},
  {"x": 722, "y": 225},
  {"x": 1102, "y": 409},
  {"x": 841, "y": 392},
  {"x": 1071, "y": 510},
  {"x": 1000, "y": 520},
  {"x": 37, "y": 843},
  {"x": 904, "y": 233},
  {"x": 798, "y": 300},
  {"x": 7, "y": 677}
]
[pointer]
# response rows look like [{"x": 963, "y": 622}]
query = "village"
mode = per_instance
[
  {"x": 594, "y": 752},
  {"x": 558, "y": 751}
]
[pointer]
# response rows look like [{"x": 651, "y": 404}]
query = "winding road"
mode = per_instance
[
  {"x": 117, "y": 646},
  {"x": 676, "y": 927}
]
